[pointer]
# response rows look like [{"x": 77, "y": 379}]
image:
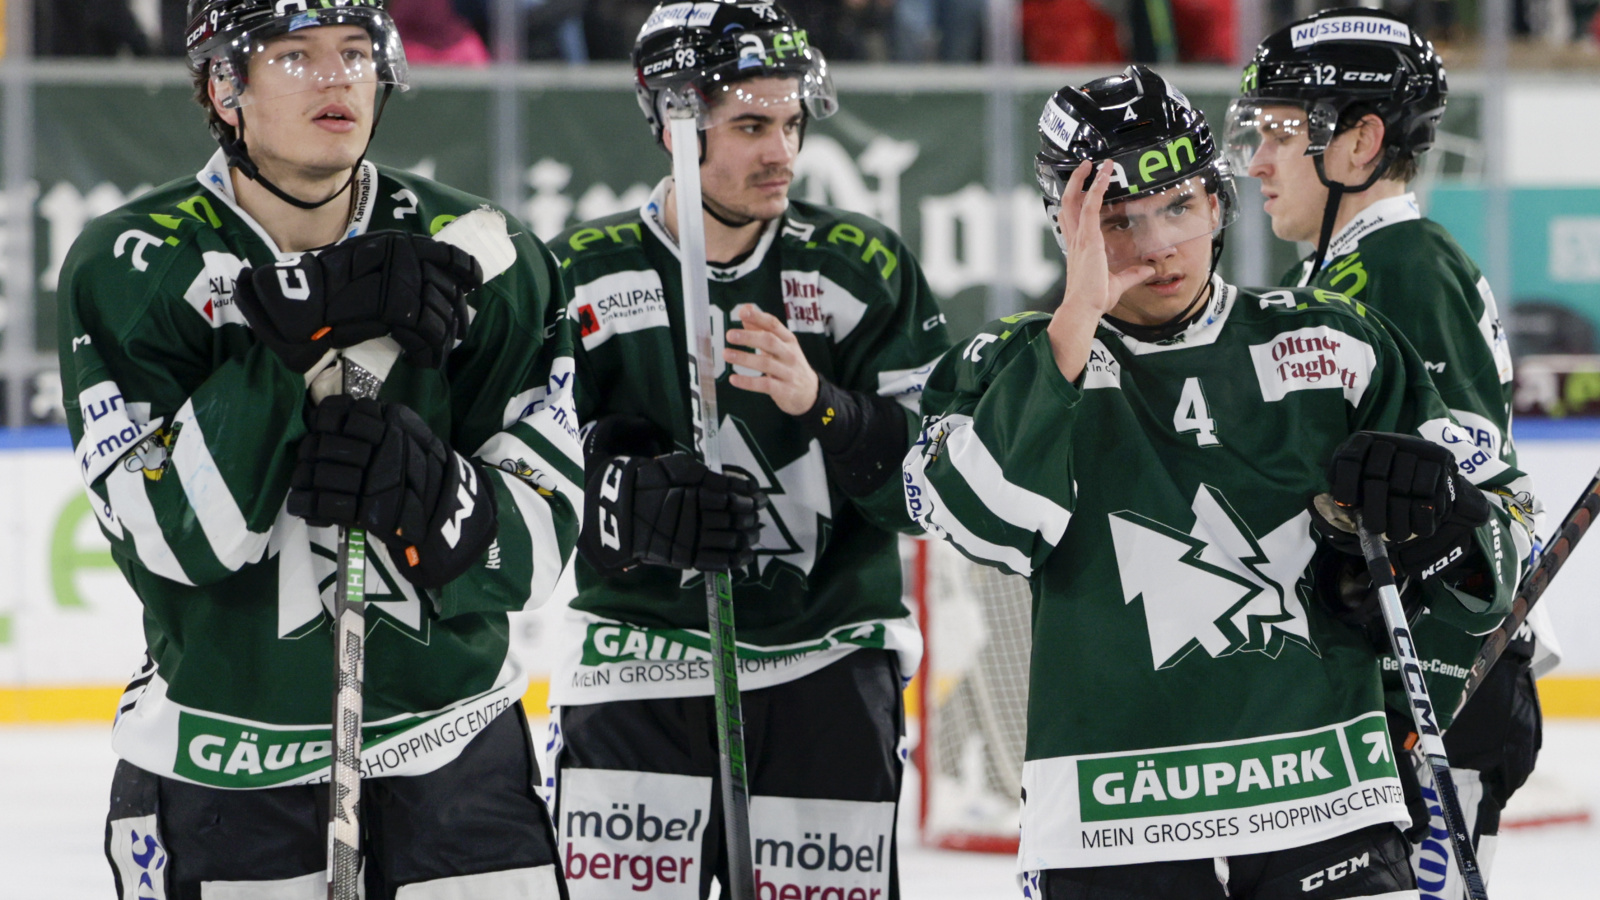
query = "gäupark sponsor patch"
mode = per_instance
[
  {"x": 609, "y": 660},
  {"x": 1219, "y": 799}
]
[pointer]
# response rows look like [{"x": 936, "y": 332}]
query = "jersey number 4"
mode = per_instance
[{"x": 1192, "y": 415}]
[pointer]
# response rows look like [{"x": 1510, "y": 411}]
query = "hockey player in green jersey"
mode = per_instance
[
  {"x": 825, "y": 330},
  {"x": 199, "y": 338},
  {"x": 1335, "y": 155},
  {"x": 1205, "y": 719}
]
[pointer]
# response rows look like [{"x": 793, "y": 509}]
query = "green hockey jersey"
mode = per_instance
[
  {"x": 1189, "y": 696},
  {"x": 1412, "y": 271},
  {"x": 186, "y": 429},
  {"x": 827, "y": 574}
]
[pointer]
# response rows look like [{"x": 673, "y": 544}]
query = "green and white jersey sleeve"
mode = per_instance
[
  {"x": 827, "y": 574},
  {"x": 1413, "y": 272},
  {"x": 186, "y": 429},
  {"x": 1189, "y": 696}
]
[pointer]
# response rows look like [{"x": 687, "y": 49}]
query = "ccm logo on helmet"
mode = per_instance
[{"x": 1379, "y": 77}]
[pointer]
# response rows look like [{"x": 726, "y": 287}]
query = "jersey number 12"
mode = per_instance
[{"x": 1192, "y": 415}]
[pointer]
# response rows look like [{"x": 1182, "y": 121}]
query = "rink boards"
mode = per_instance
[{"x": 70, "y": 631}]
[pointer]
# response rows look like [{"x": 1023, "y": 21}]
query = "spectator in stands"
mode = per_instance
[
  {"x": 87, "y": 28},
  {"x": 1068, "y": 33},
  {"x": 434, "y": 33},
  {"x": 941, "y": 30}
]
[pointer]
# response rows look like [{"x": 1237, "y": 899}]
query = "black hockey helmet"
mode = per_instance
[
  {"x": 1156, "y": 140},
  {"x": 696, "y": 50},
  {"x": 223, "y": 35},
  {"x": 1334, "y": 60},
  {"x": 1307, "y": 76}
]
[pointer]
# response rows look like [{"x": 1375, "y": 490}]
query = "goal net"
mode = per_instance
[{"x": 973, "y": 693}]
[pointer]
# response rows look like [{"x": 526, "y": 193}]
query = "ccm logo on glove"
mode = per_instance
[
  {"x": 406, "y": 286},
  {"x": 376, "y": 465}
]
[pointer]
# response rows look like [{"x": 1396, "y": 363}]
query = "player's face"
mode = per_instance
[
  {"x": 310, "y": 101},
  {"x": 1169, "y": 232},
  {"x": 751, "y": 147},
  {"x": 1294, "y": 195}
]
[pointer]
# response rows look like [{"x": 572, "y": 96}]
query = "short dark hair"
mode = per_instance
[
  {"x": 200, "y": 75},
  {"x": 1404, "y": 166}
]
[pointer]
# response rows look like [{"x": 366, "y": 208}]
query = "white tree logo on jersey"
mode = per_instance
[{"x": 1218, "y": 587}]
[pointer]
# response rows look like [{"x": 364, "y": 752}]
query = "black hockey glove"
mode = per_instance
[
  {"x": 669, "y": 511},
  {"x": 378, "y": 466},
  {"x": 1407, "y": 490},
  {"x": 386, "y": 282}
]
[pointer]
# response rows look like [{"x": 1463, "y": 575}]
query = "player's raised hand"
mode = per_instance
[
  {"x": 1091, "y": 285},
  {"x": 1092, "y": 288},
  {"x": 786, "y": 375}
]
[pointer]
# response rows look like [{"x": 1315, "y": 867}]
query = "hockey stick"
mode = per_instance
[
  {"x": 482, "y": 233},
  {"x": 1431, "y": 740},
  {"x": 703, "y": 409},
  {"x": 1533, "y": 585},
  {"x": 364, "y": 367}
]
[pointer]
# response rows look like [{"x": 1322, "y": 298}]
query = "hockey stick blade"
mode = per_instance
[
  {"x": 1533, "y": 585},
  {"x": 719, "y": 585},
  {"x": 1423, "y": 716}
]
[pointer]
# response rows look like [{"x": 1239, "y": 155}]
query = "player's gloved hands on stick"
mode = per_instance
[
  {"x": 382, "y": 283},
  {"x": 669, "y": 511},
  {"x": 376, "y": 465},
  {"x": 1409, "y": 491}
]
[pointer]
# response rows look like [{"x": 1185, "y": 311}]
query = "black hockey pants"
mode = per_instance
[{"x": 475, "y": 827}]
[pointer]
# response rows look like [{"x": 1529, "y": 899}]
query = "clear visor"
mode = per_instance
[
  {"x": 1260, "y": 132},
  {"x": 1142, "y": 228},
  {"x": 258, "y": 68},
  {"x": 725, "y": 95}
]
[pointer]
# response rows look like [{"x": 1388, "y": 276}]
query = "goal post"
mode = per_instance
[{"x": 972, "y": 693}]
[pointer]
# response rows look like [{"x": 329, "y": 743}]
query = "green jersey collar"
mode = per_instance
[
  {"x": 1203, "y": 331},
  {"x": 1385, "y": 212},
  {"x": 654, "y": 216},
  {"x": 216, "y": 178}
]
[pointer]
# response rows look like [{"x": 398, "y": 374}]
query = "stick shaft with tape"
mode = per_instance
[
  {"x": 349, "y": 654},
  {"x": 719, "y": 585},
  {"x": 482, "y": 233},
  {"x": 1534, "y": 583},
  {"x": 1423, "y": 717}
]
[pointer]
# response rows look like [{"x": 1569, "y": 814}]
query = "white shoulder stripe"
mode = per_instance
[
  {"x": 231, "y": 540},
  {"x": 509, "y": 455},
  {"x": 131, "y": 505},
  {"x": 1011, "y": 502},
  {"x": 928, "y": 509},
  {"x": 905, "y": 385},
  {"x": 548, "y": 563}
]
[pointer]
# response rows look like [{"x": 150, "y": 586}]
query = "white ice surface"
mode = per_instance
[{"x": 53, "y": 803}]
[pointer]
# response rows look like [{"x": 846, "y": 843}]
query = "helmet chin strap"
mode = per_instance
[
  {"x": 1336, "y": 192},
  {"x": 726, "y": 217},
  {"x": 238, "y": 154}
]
